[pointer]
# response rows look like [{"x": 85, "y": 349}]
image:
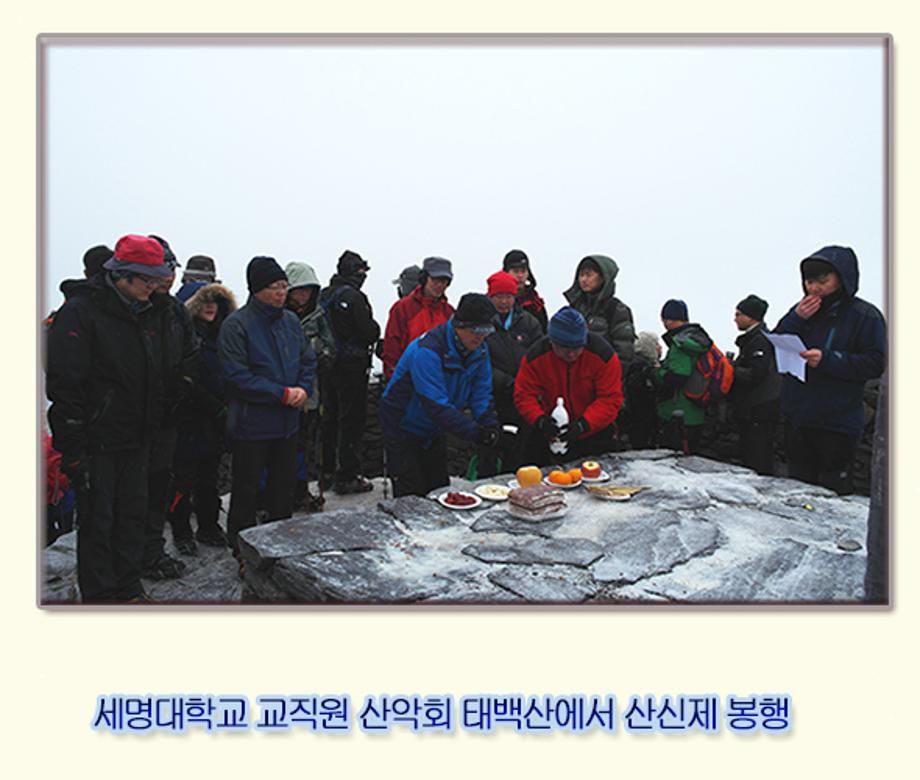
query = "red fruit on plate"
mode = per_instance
[{"x": 591, "y": 469}]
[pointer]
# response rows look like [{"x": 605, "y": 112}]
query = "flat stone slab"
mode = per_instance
[{"x": 699, "y": 532}]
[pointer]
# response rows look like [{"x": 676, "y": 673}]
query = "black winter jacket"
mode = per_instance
[
  {"x": 755, "y": 388},
  {"x": 506, "y": 349},
  {"x": 851, "y": 334},
  {"x": 104, "y": 377},
  {"x": 176, "y": 352},
  {"x": 352, "y": 319}
]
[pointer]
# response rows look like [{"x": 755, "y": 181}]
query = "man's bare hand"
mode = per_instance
[
  {"x": 812, "y": 357},
  {"x": 297, "y": 397},
  {"x": 808, "y": 306}
]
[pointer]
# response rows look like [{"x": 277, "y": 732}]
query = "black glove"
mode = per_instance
[
  {"x": 76, "y": 467},
  {"x": 547, "y": 426},
  {"x": 488, "y": 436},
  {"x": 575, "y": 430}
]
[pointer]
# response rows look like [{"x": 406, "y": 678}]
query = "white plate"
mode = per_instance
[
  {"x": 562, "y": 487},
  {"x": 443, "y": 502},
  {"x": 482, "y": 494},
  {"x": 604, "y": 476},
  {"x": 513, "y": 484},
  {"x": 513, "y": 511},
  {"x": 611, "y": 498}
]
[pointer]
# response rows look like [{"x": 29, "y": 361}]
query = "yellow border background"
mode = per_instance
[{"x": 850, "y": 671}]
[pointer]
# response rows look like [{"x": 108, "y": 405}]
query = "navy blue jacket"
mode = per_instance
[
  {"x": 262, "y": 352},
  {"x": 433, "y": 384},
  {"x": 850, "y": 332}
]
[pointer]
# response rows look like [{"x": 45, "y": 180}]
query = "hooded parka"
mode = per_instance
[
  {"x": 606, "y": 314},
  {"x": 851, "y": 334}
]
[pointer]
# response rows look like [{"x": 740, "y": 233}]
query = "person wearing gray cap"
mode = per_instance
[
  {"x": 407, "y": 281},
  {"x": 417, "y": 313}
]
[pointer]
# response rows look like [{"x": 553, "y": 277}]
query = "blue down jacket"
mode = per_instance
[
  {"x": 433, "y": 384},
  {"x": 263, "y": 351},
  {"x": 851, "y": 334}
]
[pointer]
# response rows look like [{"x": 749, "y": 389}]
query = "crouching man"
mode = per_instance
[
  {"x": 441, "y": 373},
  {"x": 582, "y": 369}
]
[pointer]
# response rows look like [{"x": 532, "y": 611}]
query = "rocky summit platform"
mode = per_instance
[{"x": 701, "y": 532}]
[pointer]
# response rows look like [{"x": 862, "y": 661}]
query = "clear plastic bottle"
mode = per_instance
[{"x": 561, "y": 418}]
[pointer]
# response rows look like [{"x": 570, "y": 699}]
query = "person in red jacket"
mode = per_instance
[
  {"x": 417, "y": 313},
  {"x": 582, "y": 369}
]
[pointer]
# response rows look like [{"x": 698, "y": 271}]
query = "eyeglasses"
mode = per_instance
[
  {"x": 277, "y": 286},
  {"x": 149, "y": 281}
]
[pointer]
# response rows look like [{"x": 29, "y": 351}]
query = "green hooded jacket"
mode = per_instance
[
  {"x": 314, "y": 323},
  {"x": 685, "y": 345},
  {"x": 606, "y": 314}
]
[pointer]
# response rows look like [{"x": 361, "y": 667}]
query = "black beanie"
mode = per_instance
[
  {"x": 475, "y": 312},
  {"x": 94, "y": 258},
  {"x": 753, "y": 307},
  {"x": 169, "y": 257},
  {"x": 813, "y": 267},
  {"x": 263, "y": 271},
  {"x": 516, "y": 259},
  {"x": 351, "y": 263}
]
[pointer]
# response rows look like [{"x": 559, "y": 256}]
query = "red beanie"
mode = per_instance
[{"x": 502, "y": 282}]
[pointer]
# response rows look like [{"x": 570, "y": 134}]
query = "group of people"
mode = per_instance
[{"x": 148, "y": 389}]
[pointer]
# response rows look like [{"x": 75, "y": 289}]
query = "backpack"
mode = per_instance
[
  {"x": 342, "y": 347},
  {"x": 711, "y": 378}
]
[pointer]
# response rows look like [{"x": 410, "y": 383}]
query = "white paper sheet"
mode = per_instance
[{"x": 787, "y": 347}]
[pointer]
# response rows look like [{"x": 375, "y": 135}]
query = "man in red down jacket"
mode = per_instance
[
  {"x": 582, "y": 369},
  {"x": 417, "y": 313}
]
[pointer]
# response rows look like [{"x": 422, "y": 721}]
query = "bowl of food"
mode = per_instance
[
  {"x": 613, "y": 492},
  {"x": 493, "y": 492},
  {"x": 459, "y": 499}
]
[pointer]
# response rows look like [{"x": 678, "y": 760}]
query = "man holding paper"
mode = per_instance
[{"x": 845, "y": 345}]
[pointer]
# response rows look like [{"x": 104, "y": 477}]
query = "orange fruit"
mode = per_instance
[
  {"x": 528, "y": 475},
  {"x": 559, "y": 478},
  {"x": 575, "y": 475}
]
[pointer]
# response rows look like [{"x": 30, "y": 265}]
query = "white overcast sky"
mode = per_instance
[{"x": 706, "y": 171}]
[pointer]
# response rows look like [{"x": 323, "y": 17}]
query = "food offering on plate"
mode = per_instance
[
  {"x": 459, "y": 499},
  {"x": 537, "y": 502},
  {"x": 613, "y": 492},
  {"x": 493, "y": 492},
  {"x": 528, "y": 475},
  {"x": 564, "y": 479},
  {"x": 592, "y": 472}
]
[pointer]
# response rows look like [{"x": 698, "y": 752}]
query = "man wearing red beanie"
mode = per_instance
[
  {"x": 515, "y": 331},
  {"x": 106, "y": 391}
]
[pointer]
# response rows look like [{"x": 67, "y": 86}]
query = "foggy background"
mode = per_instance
[{"x": 706, "y": 171}]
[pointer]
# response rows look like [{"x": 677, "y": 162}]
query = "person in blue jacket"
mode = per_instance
[
  {"x": 845, "y": 345},
  {"x": 441, "y": 373},
  {"x": 269, "y": 368}
]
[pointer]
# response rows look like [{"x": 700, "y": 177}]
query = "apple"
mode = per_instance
[{"x": 591, "y": 469}]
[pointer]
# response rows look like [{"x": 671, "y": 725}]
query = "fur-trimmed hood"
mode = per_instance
[{"x": 196, "y": 298}]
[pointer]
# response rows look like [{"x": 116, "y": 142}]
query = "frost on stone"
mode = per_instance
[{"x": 546, "y": 584}]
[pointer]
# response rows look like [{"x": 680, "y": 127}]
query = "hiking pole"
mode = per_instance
[
  {"x": 320, "y": 462},
  {"x": 678, "y": 415},
  {"x": 386, "y": 475}
]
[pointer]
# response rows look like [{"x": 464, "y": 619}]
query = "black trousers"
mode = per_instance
[
  {"x": 159, "y": 490},
  {"x": 535, "y": 447},
  {"x": 756, "y": 445},
  {"x": 344, "y": 398},
  {"x": 821, "y": 457},
  {"x": 249, "y": 458},
  {"x": 110, "y": 526},
  {"x": 416, "y": 471},
  {"x": 670, "y": 436},
  {"x": 194, "y": 489}
]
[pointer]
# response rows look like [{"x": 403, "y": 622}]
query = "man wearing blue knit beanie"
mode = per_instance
[{"x": 582, "y": 369}]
